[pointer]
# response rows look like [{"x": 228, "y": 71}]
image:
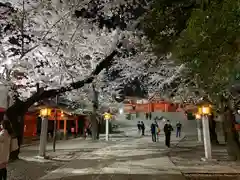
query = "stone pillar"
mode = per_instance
[{"x": 43, "y": 138}]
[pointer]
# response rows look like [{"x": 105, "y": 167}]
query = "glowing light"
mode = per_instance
[
  {"x": 107, "y": 116},
  {"x": 121, "y": 111},
  {"x": 205, "y": 110},
  {"x": 198, "y": 116},
  {"x": 45, "y": 112}
]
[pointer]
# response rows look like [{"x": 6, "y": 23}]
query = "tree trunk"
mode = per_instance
[
  {"x": 94, "y": 126},
  {"x": 224, "y": 132},
  {"x": 232, "y": 138},
  {"x": 212, "y": 129},
  {"x": 94, "y": 120}
]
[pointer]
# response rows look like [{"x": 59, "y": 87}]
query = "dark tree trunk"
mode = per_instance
[
  {"x": 212, "y": 129},
  {"x": 98, "y": 129},
  {"x": 19, "y": 108},
  {"x": 224, "y": 132},
  {"x": 94, "y": 120},
  {"x": 232, "y": 137},
  {"x": 94, "y": 126}
]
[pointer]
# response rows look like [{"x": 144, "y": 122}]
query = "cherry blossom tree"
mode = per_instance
[
  {"x": 43, "y": 51},
  {"x": 62, "y": 46},
  {"x": 68, "y": 54}
]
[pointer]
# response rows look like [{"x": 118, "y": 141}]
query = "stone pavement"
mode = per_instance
[
  {"x": 66, "y": 149},
  {"x": 187, "y": 157},
  {"x": 135, "y": 158},
  {"x": 31, "y": 168}
]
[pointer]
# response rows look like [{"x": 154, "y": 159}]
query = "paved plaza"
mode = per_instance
[
  {"x": 134, "y": 158},
  {"x": 127, "y": 155}
]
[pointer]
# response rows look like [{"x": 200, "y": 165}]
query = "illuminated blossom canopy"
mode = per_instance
[{"x": 57, "y": 42}]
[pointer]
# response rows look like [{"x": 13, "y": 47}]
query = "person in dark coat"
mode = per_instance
[
  {"x": 139, "y": 126},
  {"x": 150, "y": 116},
  {"x": 143, "y": 128},
  {"x": 98, "y": 127},
  {"x": 167, "y": 130},
  {"x": 153, "y": 131},
  {"x": 179, "y": 128},
  {"x": 146, "y": 116},
  {"x": 89, "y": 132}
]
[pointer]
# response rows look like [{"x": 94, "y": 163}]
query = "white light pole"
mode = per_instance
[
  {"x": 44, "y": 113},
  {"x": 206, "y": 134},
  {"x": 107, "y": 130},
  {"x": 107, "y": 117}
]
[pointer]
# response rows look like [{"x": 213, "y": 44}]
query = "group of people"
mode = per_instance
[{"x": 155, "y": 130}]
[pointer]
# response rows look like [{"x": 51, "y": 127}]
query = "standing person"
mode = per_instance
[
  {"x": 143, "y": 128},
  {"x": 153, "y": 131},
  {"x": 179, "y": 128},
  {"x": 146, "y": 116},
  {"x": 139, "y": 127},
  {"x": 89, "y": 132},
  {"x": 158, "y": 133},
  {"x": 5, "y": 141},
  {"x": 167, "y": 130},
  {"x": 150, "y": 116},
  {"x": 98, "y": 127},
  {"x": 73, "y": 131},
  {"x": 156, "y": 123},
  {"x": 157, "y": 130},
  {"x": 85, "y": 132}
]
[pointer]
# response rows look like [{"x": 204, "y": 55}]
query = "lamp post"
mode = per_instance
[
  {"x": 107, "y": 117},
  {"x": 199, "y": 129},
  {"x": 44, "y": 113},
  {"x": 205, "y": 111}
]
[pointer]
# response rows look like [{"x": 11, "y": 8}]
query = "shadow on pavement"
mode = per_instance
[
  {"x": 187, "y": 157},
  {"x": 211, "y": 177},
  {"x": 30, "y": 170},
  {"x": 125, "y": 177}
]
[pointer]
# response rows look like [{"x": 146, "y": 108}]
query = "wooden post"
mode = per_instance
[
  {"x": 149, "y": 108},
  {"x": 165, "y": 107},
  {"x": 152, "y": 106},
  {"x": 65, "y": 129},
  {"x": 76, "y": 126},
  {"x": 58, "y": 123}
]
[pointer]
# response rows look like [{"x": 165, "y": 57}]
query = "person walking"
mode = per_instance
[
  {"x": 179, "y": 128},
  {"x": 5, "y": 147},
  {"x": 98, "y": 127},
  {"x": 150, "y": 116},
  {"x": 167, "y": 130},
  {"x": 157, "y": 130},
  {"x": 139, "y": 127},
  {"x": 89, "y": 132},
  {"x": 153, "y": 131},
  {"x": 158, "y": 133},
  {"x": 146, "y": 116},
  {"x": 143, "y": 128},
  {"x": 85, "y": 132}
]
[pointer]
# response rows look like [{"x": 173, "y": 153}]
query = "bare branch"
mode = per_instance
[{"x": 22, "y": 27}]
